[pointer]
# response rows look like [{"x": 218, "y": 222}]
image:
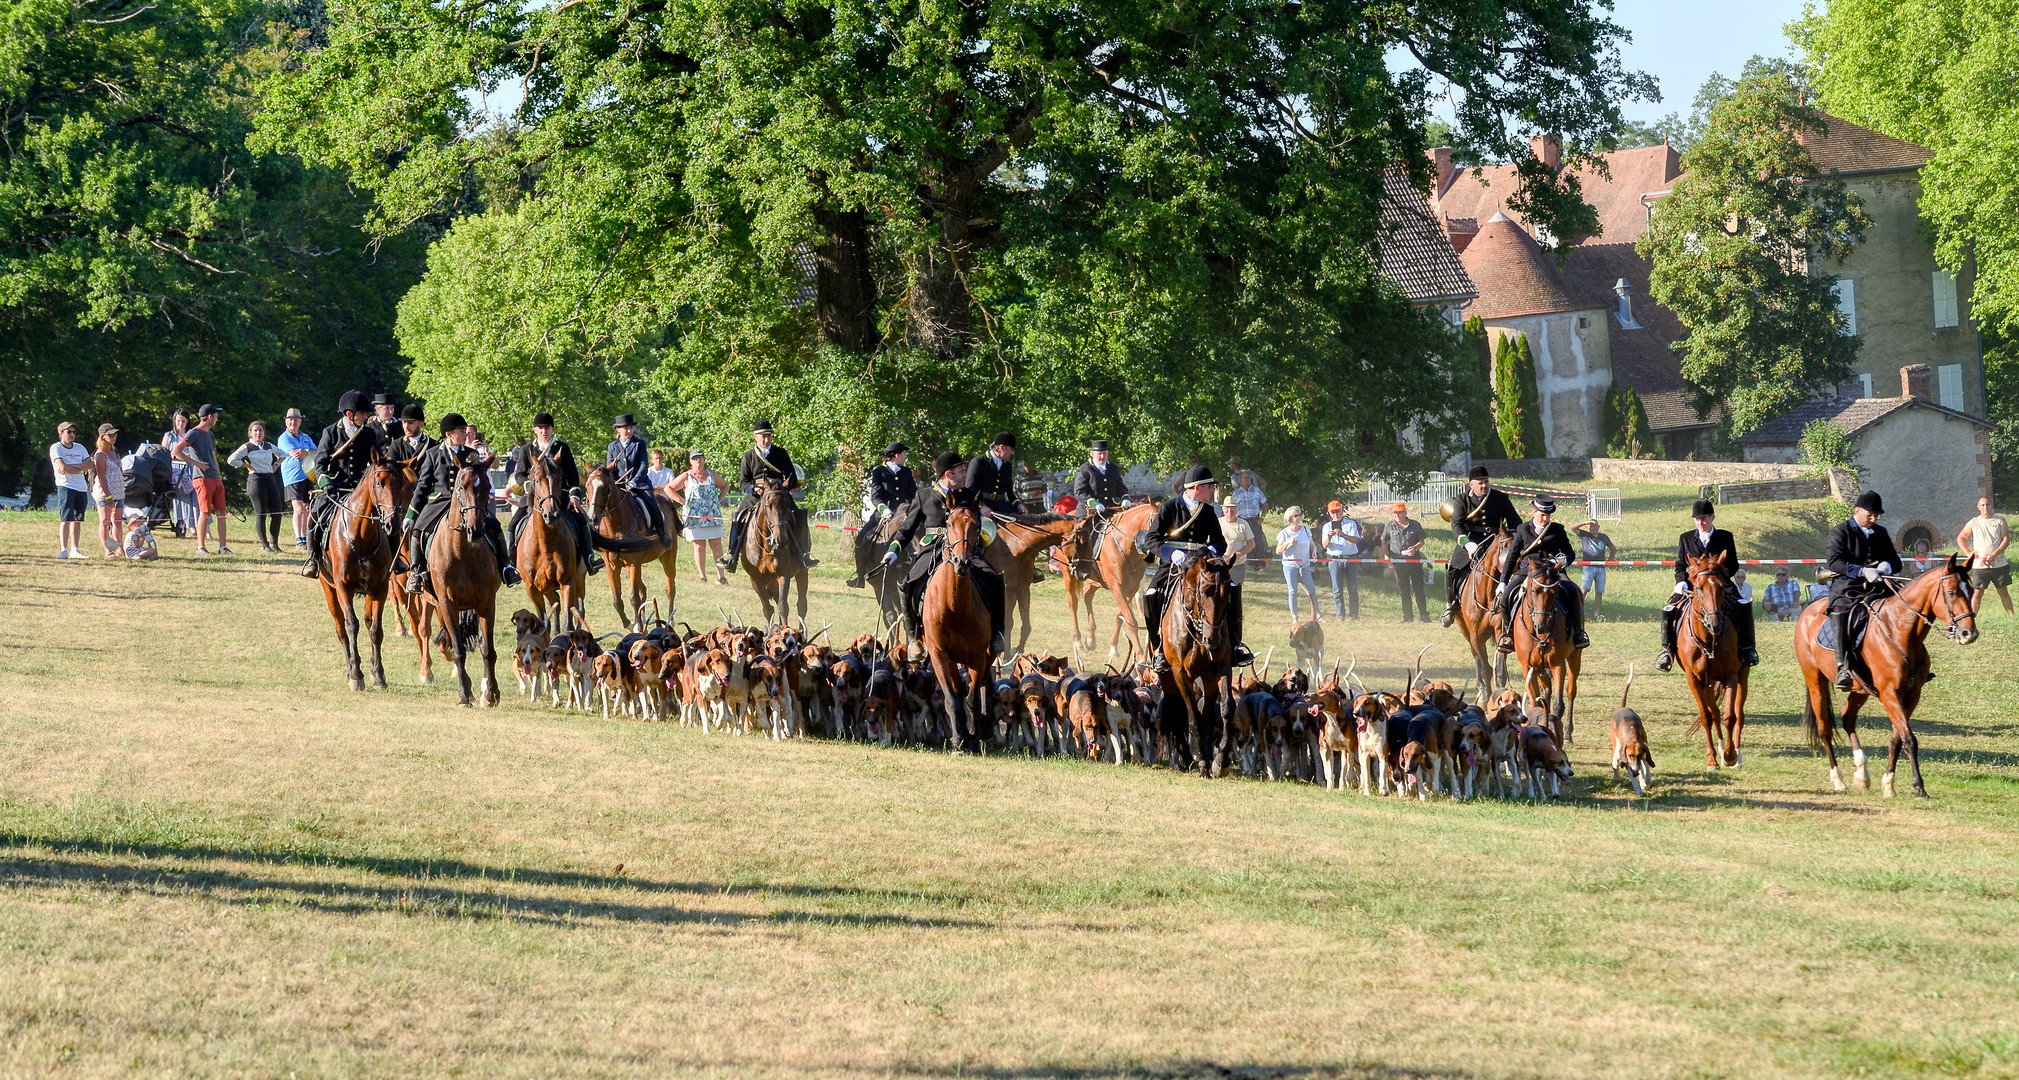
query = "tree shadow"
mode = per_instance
[{"x": 1183, "y": 1069}]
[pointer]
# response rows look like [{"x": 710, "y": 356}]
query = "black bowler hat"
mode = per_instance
[
  {"x": 1479, "y": 472},
  {"x": 946, "y": 462},
  {"x": 1198, "y": 474},
  {"x": 895, "y": 449},
  {"x": 543, "y": 419},
  {"x": 1098, "y": 444},
  {"x": 762, "y": 427},
  {"x": 383, "y": 399},
  {"x": 1870, "y": 501},
  {"x": 1004, "y": 438},
  {"x": 624, "y": 420},
  {"x": 353, "y": 401},
  {"x": 1703, "y": 508},
  {"x": 453, "y": 422},
  {"x": 414, "y": 413}
]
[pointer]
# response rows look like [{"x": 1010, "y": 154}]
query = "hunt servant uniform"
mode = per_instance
[
  {"x": 342, "y": 454},
  {"x": 1474, "y": 521},
  {"x": 926, "y": 523},
  {"x": 1539, "y": 542},
  {"x": 772, "y": 465},
  {"x": 1853, "y": 550},
  {"x": 568, "y": 475},
  {"x": 1182, "y": 521},
  {"x": 994, "y": 482},
  {"x": 1696, "y": 545}
]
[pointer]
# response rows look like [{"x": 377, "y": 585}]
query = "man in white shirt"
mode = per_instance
[
  {"x": 1985, "y": 537},
  {"x": 70, "y": 460}
]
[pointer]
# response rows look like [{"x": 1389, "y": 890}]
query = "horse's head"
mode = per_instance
[
  {"x": 376, "y": 497},
  {"x": 963, "y": 525},
  {"x": 1953, "y": 602},
  {"x": 1538, "y": 595},
  {"x": 598, "y": 487},
  {"x": 773, "y": 514},
  {"x": 471, "y": 496},
  {"x": 541, "y": 479},
  {"x": 1707, "y": 591}
]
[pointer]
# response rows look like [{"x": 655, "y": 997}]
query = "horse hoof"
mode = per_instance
[
  {"x": 1864, "y": 779},
  {"x": 426, "y": 679},
  {"x": 357, "y": 686},
  {"x": 1837, "y": 779},
  {"x": 1886, "y": 785}
]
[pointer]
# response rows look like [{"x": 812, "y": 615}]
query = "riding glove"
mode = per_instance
[
  {"x": 1471, "y": 550},
  {"x": 1885, "y": 568},
  {"x": 1682, "y": 588},
  {"x": 889, "y": 558},
  {"x": 1870, "y": 573},
  {"x": 1178, "y": 557}
]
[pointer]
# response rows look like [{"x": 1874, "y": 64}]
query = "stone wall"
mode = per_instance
[
  {"x": 1928, "y": 466},
  {"x": 1638, "y": 471},
  {"x": 1573, "y": 368},
  {"x": 1808, "y": 487}
]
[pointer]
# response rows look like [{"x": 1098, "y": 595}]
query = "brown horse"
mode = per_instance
[
  {"x": 359, "y": 562},
  {"x": 622, "y": 529},
  {"x": 463, "y": 582},
  {"x": 552, "y": 569},
  {"x": 1014, "y": 553},
  {"x": 1118, "y": 569},
  {"x": 1542, "y": 646},
  {"x": 957, "y": 627},
  {"x": 1476, "y": 612},
  {"x": 1199, "y": 646},
  {"x": 1707, "y": 647},
  {"x": 771, "y": 554},
  {"x": 1896, "y": 665}
]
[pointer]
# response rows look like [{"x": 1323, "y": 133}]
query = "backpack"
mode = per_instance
[{"x": 147, "y": 471}]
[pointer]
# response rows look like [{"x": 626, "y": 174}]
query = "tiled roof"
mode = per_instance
[
  {"x": 1512, "y": 274},
  {"x": 1853, "y": 415},
  {"x": 1622, "y": 217},
  {"x": 1845, "y": 147},
  {"x": 1415, "y": 254}
]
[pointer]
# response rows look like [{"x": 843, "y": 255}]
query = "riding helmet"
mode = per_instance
[
  {"x": 946, "y": 462},
  {"x": 353, "y": 401},
  {"x": 1004, "y": 439},
  {"x": 1478, "y": 472},
  {"x": 1198, "y": 474},
  {"x": 453, "y": 422},
  {"x": 762, "y": 427},
  {"x": 413, "y": 412},
  {"x": 623, "y": 420},
  {"x": 1870, "y": 501},
  {"x": 543, "y": 419},
  {"x": 1703, "y": 508},
  {"x": 894, "y": 449}
]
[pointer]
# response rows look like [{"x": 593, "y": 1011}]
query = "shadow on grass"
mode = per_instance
[{"x": 1183, "y": 1070}]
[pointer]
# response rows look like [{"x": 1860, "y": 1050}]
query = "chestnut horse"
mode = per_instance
[
  {"x": 463, "y": 582},
  {"x": 1542, "y": 646},
  {"x": 1118, "y": 569},
  {"x": 1014, "y": 553},
  {"x": 359, "y": 562},
  {"x": 1707, "y": 648},
  {"x": 1476, "y": 612},
  {"x": 552, "y": 569},
  {"x": 1896, "y": 665},
  {"x": 1199, "y": 646},
  {"x": 619, "y": 526},
  {"x": 957, "y": 627},
  {"x": 771, "y": 554}
]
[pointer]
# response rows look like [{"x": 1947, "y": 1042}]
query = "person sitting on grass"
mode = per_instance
[{"x": 139, "y": 542}]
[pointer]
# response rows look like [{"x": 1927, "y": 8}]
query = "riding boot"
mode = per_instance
[
  {"x": 803, "y": 532},
  {"x": 734, "y": 549},
  {"x": 515, "y": 526},
  {"x": 914, "y": 608},
  {"x": 1453, "y": 576},
  {"x": 1242, "y": 655},
  {"x": 1742, "y": 617},
  {"x": 585, "y": 541},
  {"x": 1670, "y": 615},
  {"x": 316, "y": 524},
  {"x": 1573, "y": 602},
  {"x": 1506, "y": 608},
  {"x": 1153, "y": 621},
  {"x": 990, "y": 586},
  {"x": 495, "y": 536},
  {"x": 1840, "y": 623}
]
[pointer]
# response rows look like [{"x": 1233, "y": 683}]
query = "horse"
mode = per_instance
[
  {"x": 887, "y": 581},
  {"x": 1117, "y": 568},
  {"x": 1542, "y": 646},
  {"x": 359, "y": 562},
  {"x": 1199, "y": 647},
  {"x": 620, "y": 527},
  {"x": 548, "y": 563},
  {"x": 771, "y": 554},
  {"x": 463, "y": 582},
  {"x": 1476, "y": 612},
  {"x": 1896, "y": 665},
  {"x": 1014, "y": 553},
  {"x": 1707, "y": 648},
  {"x": 957, "y": 628}
]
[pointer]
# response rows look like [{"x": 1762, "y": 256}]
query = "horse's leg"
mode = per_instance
[
  {"x": 347, "y": 631},
  {"x": 670, "y": 562},
  {"x": 423, "y": 616},
  {"x": 375, "y": 611},
  {"x": 1852, "y": 703},
  {"x": 458, "y": 651},
  {"x": 615, "y": 568},
  {"x": 1734, "y": 698},
  {"x": 1705, "y": 697},
  {"x": 486, "y": 617}
]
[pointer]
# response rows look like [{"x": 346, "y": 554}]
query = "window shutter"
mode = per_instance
[
  {"x": 1945, "y": 300},
  {"x": 1847, "y": 303},
  {"x": 1949, "y": 386},
  {"x": 1865, "y": 380}
]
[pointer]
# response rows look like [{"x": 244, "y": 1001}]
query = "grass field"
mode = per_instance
[{"x": 216, "y": 861}]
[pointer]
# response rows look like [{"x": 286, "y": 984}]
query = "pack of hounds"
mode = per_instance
[{"x": 782, "y": 682}]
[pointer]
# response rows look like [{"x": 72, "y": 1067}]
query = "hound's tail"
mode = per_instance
[{"x": 1627, "y": 687}]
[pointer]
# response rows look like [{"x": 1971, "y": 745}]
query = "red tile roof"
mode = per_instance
[
  {"x": 1622, "y": 217},
  {"x": 1845, "y": 147},
  {"x": 1512, "y": 274},
  {"x": 1415, "y": 253}
]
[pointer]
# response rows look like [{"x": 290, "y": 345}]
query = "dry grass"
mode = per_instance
[{"x": 215, "y": 860}]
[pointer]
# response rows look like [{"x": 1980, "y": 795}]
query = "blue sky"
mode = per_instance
[{"x": 1681, "y": 42}]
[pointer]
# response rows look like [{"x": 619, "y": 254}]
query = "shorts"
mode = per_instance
[
  {"x": 1987, "y": 576},
  {"x": 1594, "y": 578},
  {"x": 301, "y": 491},
  {"x": 70, "y": 503},
  {"x": 209, "y": 495}
]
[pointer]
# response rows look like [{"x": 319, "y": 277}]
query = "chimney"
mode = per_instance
[
  {"x": 1915, "y": 381},
  {"x": 1441, "y": 157},
  {"x": 1549, "y": 148},
  {"x": 1624, "y": 291}
]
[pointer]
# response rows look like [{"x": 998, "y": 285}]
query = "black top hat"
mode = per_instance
[
  {"x": 895, "y": 449},
  {"x": 1870, "y": 501},
  {"x": 946, "y": 462},
  {"x": 1543, "y": 503},
  {"x": 352, "y": 401},
  {"x": 413, "y": 412},
  {"x": 543, "y": 419},
  {"x": 1004, "y": 438},
  {"x": 1198, "y": 474},
  {"x": 383, "y": 399},
  {"x": 761, "y": 427},
  {"x": 453, "y": 422},
  {"x": 1479, "y": 472},
  {"x": 1098, "y": 444},
  {"x": 1703, "y": 508},
  {"x": 623, "y": 420}
]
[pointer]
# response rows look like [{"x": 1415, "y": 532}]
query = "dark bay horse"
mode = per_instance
[
  {"x": 1542, "y": 646},
  {"x": 1014, "y": 553},
  {"x": 887, "y": 581},
  {"x": 1199, "y": 646},
  {"x": 1707, "y": 648},
  {"x": 1896, "y": 665},
  {"x": 359, "y": 562},
  {"x": 957, "y": 627},
  {"x": 550, "y": 566},
  {"x": 619, "y": 526},
  {"x": 1118, "y": 569},
  {"x": 1476, "y": 612},
  {"x": 463, "y": 582},
  {"x": 771, "y": 555}
]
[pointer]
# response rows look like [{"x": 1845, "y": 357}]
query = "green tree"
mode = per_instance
[
  {"x": 1517, "y": 416},
  {"x": 1479, "y": 418},
  {"x": 1150, "y": 220},
  {"x": 1736, "y": 248},
  {"x": 1626, "y": 427},
  {"x": 1532, "y": 440},
  {"x": 1827, "y": 446}
]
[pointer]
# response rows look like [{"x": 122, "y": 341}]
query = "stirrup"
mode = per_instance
[
  {"x": 1665, "y": 661},
  {"x": 726, "y": 562},
  {"x": 509, "y": 574},
  {"x": 1580, "y": 640},
  {"x": 308, "y": 568},
  {"x": 855, "y": 582},
  {"x": 1159, "y": 663},
  {"x": 1243, "y": 656},
  {"x": 1844, "y": 679},
  {"x": 997, "y": 644},
  {"x": 1450, "y": 616},
  {"x": 1505, "y": 645},
  {"x": 1750, "y": 655}
]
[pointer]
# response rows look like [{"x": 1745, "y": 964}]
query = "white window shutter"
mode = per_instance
[
  {"x": 1847, "y": 303},
  {"x": 1949, "y": 386},
  {"x": 1945, "y": 300},
  {"x": 1865, "y": 379}
]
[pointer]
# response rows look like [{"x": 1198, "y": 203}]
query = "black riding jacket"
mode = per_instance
[
  {"x": 630, "y": 460},
  {"x": 1691, "y": 546},
  {"x": 994, "y": 484},
  {"x": 891, "y": 486},
  {"x": 344, "y": 459},
  {"x": 1478, "y": 517},
  {"x": 438, "y": 470},
  {"x": 773, "y": 466},
  {"x": 1091, "y": 483},
  {"x": 1850, "y": 549},
  {"x": 1547, "y": 542},
  {"x": 403, "y": 448},
  {"x": 559, "y": 455},
  {"x": 1174, "y": 524}
]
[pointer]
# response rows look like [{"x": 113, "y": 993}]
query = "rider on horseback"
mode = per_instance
[
  {"x": 927, "y": 521},
  {"x": 409, "y": 441},
  {"x": 991, "y": 477},
  {"x": 630, "y": 461},
  {"x": 1188, "y": 519},
  {"x": 1706, "y": 539},
  {"x": 1539, "y": 538},
  {"x": 767, "y": 461},
  {"x": 1481, "y": 511},
  {"x": 568, "y": 477},
  {"x": 891, "y": 485},
  {"x": 1098, "y": 485},
  {"x": 434, "y": 495},
  {"x": 342, "y": 454},
  {"x": 1862, "y": 556}
]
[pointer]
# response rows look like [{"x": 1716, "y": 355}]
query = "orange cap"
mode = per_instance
[
  {"x": 1402, "y": 506},
  {"x": 1333, "y": 505}
]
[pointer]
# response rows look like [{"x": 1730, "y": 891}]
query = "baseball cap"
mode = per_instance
[
  {"x": 1401, "y": 506},
  {"x": 206, "y": 410},
  {"x": 107, "y": 429},
  {"x": 65, "y": 426},
  {"x": 1334, "y": 505}
]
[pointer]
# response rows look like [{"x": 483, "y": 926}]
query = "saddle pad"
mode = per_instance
[
  {"x": 1826, "y": 634},
  {"x": 1101, "y": 528}
]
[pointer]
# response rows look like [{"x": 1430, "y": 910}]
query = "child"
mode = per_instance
[{"x": 139, "y": 543}]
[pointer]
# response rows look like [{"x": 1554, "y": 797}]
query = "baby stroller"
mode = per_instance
[{"x": 150, "y": 484}]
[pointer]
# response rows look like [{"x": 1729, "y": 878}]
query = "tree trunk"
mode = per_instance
[
  {"x": 844, "y": 290},
  {"x": 940, "y": 309}
]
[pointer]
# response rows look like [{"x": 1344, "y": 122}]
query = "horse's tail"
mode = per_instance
[
  {"x": 468, "y": 628},
  {"x": 1812, "y": 724}
]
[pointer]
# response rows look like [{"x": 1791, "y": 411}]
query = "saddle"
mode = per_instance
[{"x": 1861, "y": 618}]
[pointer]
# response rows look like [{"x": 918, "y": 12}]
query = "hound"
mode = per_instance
[
  {"x": 1545, "y": 761},
  {"x": 1426, "y": 745},
  {"x": 529, "y": 663},
  {"x": 647, "y": 678},
  {"x": 1308, "y": 639},
  {"x": 609, "y": 676},
  {"x": 1629, "y": 743},
  {"x": 1370, "y": 734}
]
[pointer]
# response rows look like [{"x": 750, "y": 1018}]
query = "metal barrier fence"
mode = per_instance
[
  {"x": 1436, "y": 491},
  {"x": 1604, "y": 503}
]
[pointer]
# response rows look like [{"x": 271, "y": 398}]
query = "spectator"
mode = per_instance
[
  {"x": 659, "y": 476},
  {"x": 183, "y": 514},
  {"x": 698, "y": 492},
  {"x": 297, "y": 448},
  {"x": 1985, "y": 537},
  {"x": 1820, "y": 588},
  {"x": 1249, "y": 498},
  {"x": 1293, "y": 546},
  {"x": 108, "y": 488},
  {"x": 198, "y": 449},
  {"x": 1341, "y": 540},
  {"x": 139, "y": 542},
  {"x": 1742, "y": 590},
  {"x": 261, "y": 461},
  {"x": 71, "y": 463},
  {"x": 1240, "y": 540},
  {"x": 1594, "y": 546},
  {"x": 1784, "y": 598},
  {"x": 1402, "y": 546},
  {"x": 1919, "y": 559},
  {"x": 1033, "y": 491}
]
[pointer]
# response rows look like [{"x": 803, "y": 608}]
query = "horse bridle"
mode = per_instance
[
  {"x": 1703, "y": 617},
  {"x": 1195, "y": 625},
  {"x": 1540, "y": 619},
  {"x": 1953, "y": 629}
]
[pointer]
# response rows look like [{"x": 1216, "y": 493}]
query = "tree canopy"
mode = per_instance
[{"x": 1147, "y": 221}]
